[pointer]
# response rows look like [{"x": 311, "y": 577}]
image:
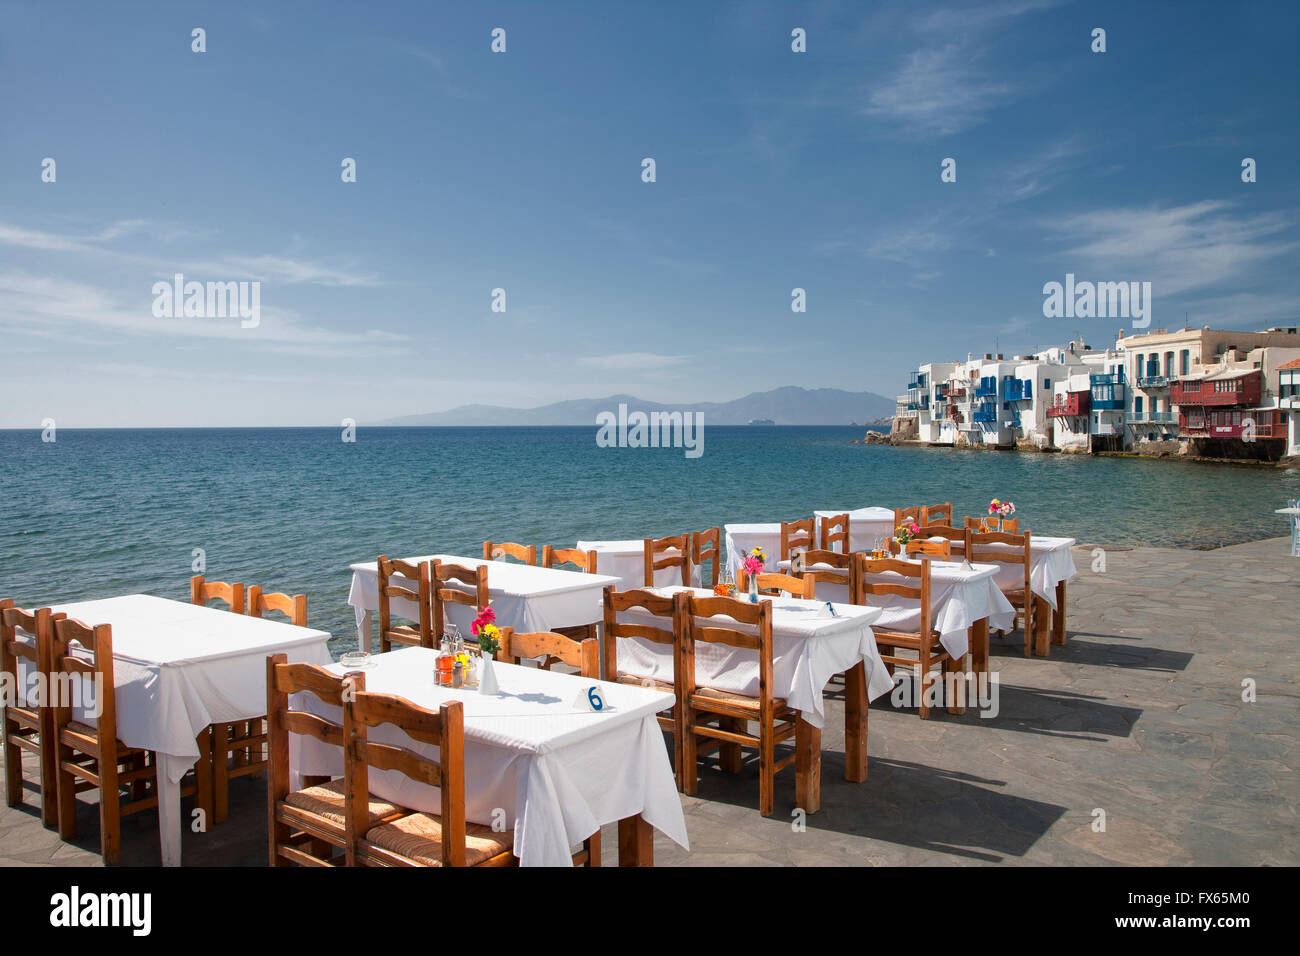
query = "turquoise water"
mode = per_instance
[{"x": 99, "y": 513}]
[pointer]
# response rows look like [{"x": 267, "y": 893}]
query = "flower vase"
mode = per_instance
[
  {"x": 753, "y": 588},
  {"x": 487, "y": 678}
]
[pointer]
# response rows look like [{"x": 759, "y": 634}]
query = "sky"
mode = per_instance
[{"x": 522, "y": 170}]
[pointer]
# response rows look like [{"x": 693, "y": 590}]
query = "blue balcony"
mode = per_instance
[
  {"x": 987, "y": 388},
  {"x": 1018, "y": 390},
  {"x": 985, "y": 413},
  {"x": 1108, "y": 391}
]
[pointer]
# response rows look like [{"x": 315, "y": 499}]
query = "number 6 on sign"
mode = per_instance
[{"x": 590, "y": 699}]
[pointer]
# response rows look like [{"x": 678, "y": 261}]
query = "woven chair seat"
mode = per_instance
[
  {"x": 738, "y": 700},
  {"x": 418, "y": 837},
  {"x": 326, "y": 800}
]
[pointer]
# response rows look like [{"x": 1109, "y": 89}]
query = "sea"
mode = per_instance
[{"x": 97, "y": 513}]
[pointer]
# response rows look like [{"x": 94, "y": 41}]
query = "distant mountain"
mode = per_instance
[{"x": 785, "y": 406}]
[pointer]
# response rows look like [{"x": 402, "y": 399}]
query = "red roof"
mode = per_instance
[{"x": 1292, "y": 364}]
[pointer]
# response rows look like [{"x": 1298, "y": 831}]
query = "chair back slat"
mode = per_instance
[
  {"x": 985, "y": 525},
  {"x": 231, "y": 593},
  {"x": 400, "y": 760},
  {"x": 706, "y": 546},
  {"x": 584, "y": 654},
  {"x": 309, "y": 725},
  {"x": 772, "y": 583},
  {"x": 941, "y": 549},
  {"x": 656, "y": 557},
  {"x": 500, "y": 550},
  {"x": 584, "y": 561}
]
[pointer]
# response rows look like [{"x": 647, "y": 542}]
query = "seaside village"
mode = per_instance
[{"x": 1194, "y": 392}]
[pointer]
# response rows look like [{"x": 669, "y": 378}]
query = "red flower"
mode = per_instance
[{"x": 485, "y": 617}]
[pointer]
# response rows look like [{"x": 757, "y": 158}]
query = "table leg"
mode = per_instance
[
  {"x": 978, "y": 635},
  {"x": 1042, "y": 621},
  {"x": 955, "y": 687},
  {"x": 807, "y": 766},
  {"x": 1058, "y": 618},
  {"x": 169, "y": 806},
  {"x": 636, "y": 842},
  {"x": 363, "y": 632},
  {"x": 855, "y": 723}
]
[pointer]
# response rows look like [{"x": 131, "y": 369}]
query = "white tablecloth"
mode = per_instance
[
  {"x": 865, "y": 526},
  {"x": 557, "y": 772},
  {"x": 625, "y": 560},
  {"x": 177, "y": 668},
  {"x": 1050, "y": 563},
  {"x": 959, "y": 596},
  {"x": 524, "y": 597},
  {"x": 809, "y": 646}
]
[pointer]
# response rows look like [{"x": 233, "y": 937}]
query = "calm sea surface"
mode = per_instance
[{"x": 100, "y": 513}]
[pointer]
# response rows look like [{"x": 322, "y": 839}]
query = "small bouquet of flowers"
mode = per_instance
[
  {"x": 488, "y": 634},
  {"x": 999, "y": 511},
  {"x": 755, "y": 561},
  {"x": 906, "y": 532}
]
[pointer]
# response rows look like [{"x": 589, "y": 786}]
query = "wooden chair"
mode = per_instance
[
  {"x": 773, "y": 583},
  {"x": 419, "y": 575},
  {"x": 90, "y": 756},
  {"x": 839, "y": 570},
  {"x": 202, "y": 591},
  {"x": 499, "y": 551},
  {"x": 669, "y": 610},
  {"x": 652, "y": 548},
  {"x": 707, "y": 546},
  {"x": 797, "y": 535},
  {"x": 27, "y": 724},
  {"x": 239, "y": 749},
  {"x": 940, "y": 549},
  {"x": 307, "y": 826},
  {"x": 700, "y": 705},
  {"x": 1015, "y": 550},
  {"x": 834, "y": 530},
  {"x": 985, "y": 525},
  {"x": 475, "y": 579},
  {"x": 414, "y": 839},
  {"x": 937, "y": 514},
  {"x": 924, "y": 641},
  {"x": 910, "y": 515}
]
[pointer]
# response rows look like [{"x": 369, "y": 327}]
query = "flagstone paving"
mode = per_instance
[{"x": 1139, "y": 721}]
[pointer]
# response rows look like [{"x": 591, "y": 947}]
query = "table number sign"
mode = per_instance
[{"x": 590, "y": 700}]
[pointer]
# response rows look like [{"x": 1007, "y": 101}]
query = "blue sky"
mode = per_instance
[{"x": 522, "y": 171}]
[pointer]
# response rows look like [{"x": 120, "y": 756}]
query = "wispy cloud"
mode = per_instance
[
  {"x": 1179, "y": 248},
  {"x": 266, "y": 268},
  {"x": 946, "y": 86}
]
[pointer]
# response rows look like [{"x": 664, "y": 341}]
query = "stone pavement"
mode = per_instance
[{"x": 1140, "y": 715}]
